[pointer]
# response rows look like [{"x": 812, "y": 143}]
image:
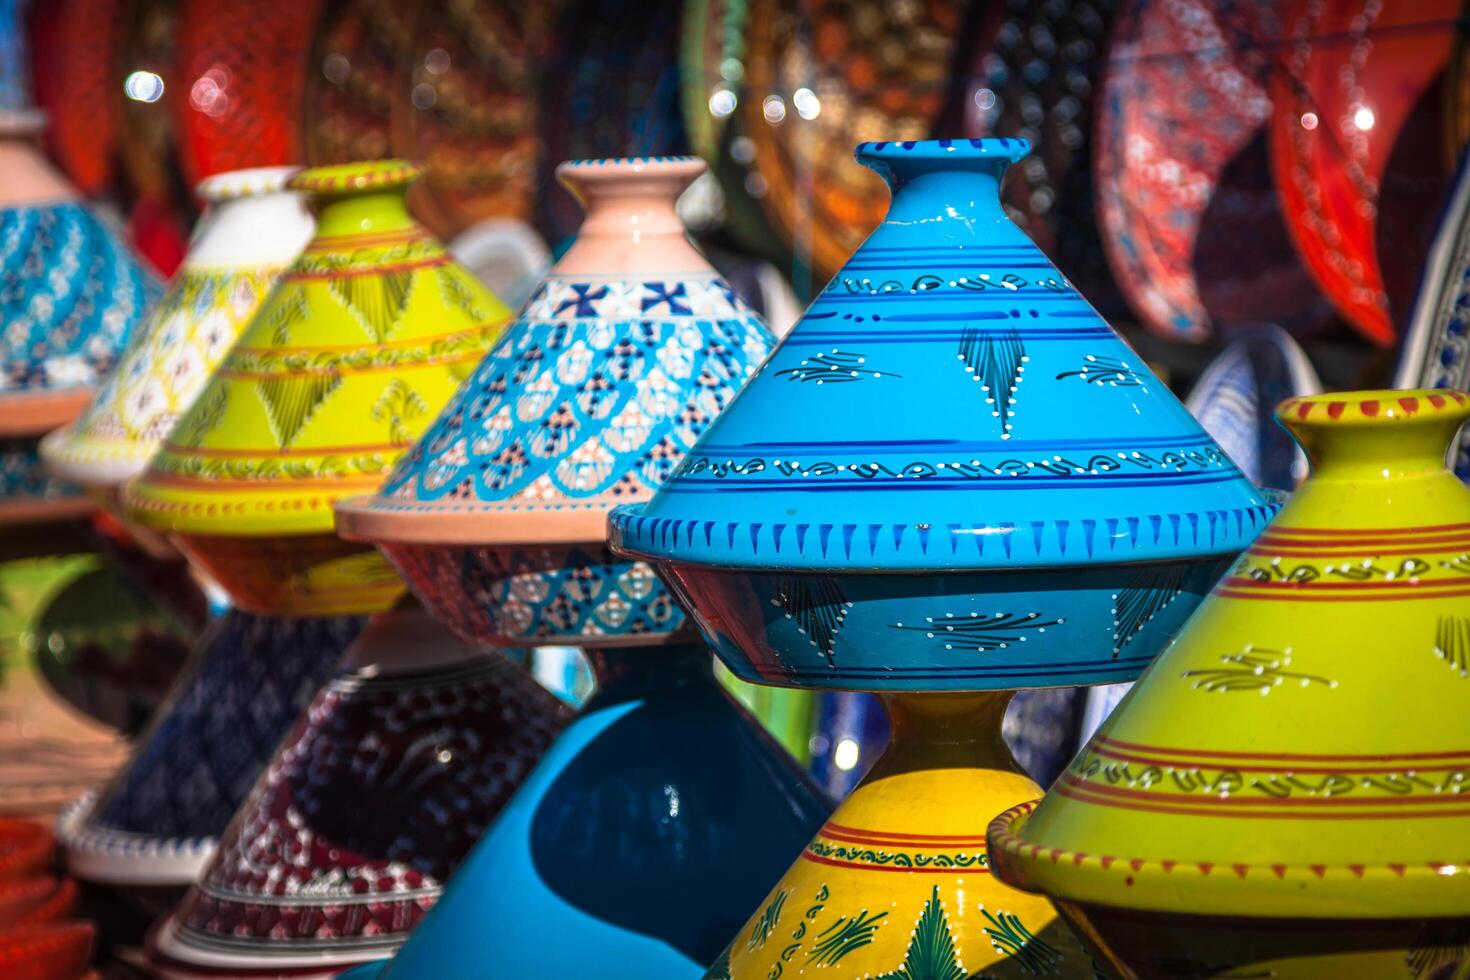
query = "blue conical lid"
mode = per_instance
[{"x": 949, "y": 401}]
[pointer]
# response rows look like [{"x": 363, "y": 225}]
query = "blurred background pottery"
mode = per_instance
[
  {"x": 1436, "y": 349},
  {"x": 1183, "y": 175},
  {"x": 253, "y": 230},
  {"x": 150, "y": 831},
  {"x": 349, "y": 835},
  {"x": 1281, "y": 708},
  {"x": 368, "y": 333}
]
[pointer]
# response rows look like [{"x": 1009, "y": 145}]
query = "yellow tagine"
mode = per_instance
[
  {"x": 369, "y": 333},
  {"x": 897, "y": 883},
  {"x": 1286, "y": 792}
]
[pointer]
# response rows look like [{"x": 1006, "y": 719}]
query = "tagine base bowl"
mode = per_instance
[
  {"x": 296, "y": 575},
  {"x": 954, "y": 631}
]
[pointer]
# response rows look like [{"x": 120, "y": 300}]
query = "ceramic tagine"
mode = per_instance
[
  {"x": 368, "y": 334},
  {"x": 1285, "y": 791},
  {"x": 615, "y": 858},
  {"x": 70, "y": 297},
  {"x": 151, "y": 830},
  {"x": 349, "y": 835},
  {"x": 952, "y": 479},
  {"x": 252, "y": 230}
]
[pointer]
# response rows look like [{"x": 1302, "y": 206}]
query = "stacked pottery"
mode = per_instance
[
  {"x": 153, "y": 827},
  {"x": 1234, "y": 401},
  {"x": 363, "y": 340},
  {"x": 1284, "y": 792},
  {"x": 384, "y": 784},
  {"x": 663, "y": 811},
  {"x": 70, "y": 297},
  {"x": 952, "y": 479}
]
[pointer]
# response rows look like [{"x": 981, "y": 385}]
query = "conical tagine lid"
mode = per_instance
[
  {"x": 617, "y": 365},
  {"x": 1301, "y": 749},
  {"x": 949, "y": 401},
  {"x": 253, "y": 229},
  {"x": 368, "y": 334}
]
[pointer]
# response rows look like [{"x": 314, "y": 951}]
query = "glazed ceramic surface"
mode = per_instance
[
  {"x": 1235, "y": 400},
  {"x": 254, "y": 228},
  {"x": 1297, "y": 753},
  {"x": 953, "y": 416},
  {"x": 637, "y": 847},
  {"x": 159, "y": 820},
  {"x": 1436, "y": 351},
  {"x": 897, "y": 883},
  {"x": 387, "y": 780},
  {"x": 497, "y": 516},
  {"x": 70, "y": 298},
  {"x": 1193, "y": 227},
  {"x": 1335, "y": 173},
  {"x": 369, "y": 332}
]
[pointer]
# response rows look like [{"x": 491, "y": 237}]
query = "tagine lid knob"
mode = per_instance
[
  {"x": 613, "y": 370},
  {"x": 369, "y": 332},
  {"x": 1299, "y": 750},
  {"x": 949, "y": 401}
]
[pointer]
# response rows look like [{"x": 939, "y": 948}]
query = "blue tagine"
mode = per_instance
[
  {"x": 663, "y": 812},
  {"x": 70, "y": 296},
  {"x": 951, "y": 480}
]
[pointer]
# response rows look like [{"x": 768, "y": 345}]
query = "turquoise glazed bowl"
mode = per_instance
[
  {"x": 959, "y": 631},
  {"x": 951, "y": 475}
]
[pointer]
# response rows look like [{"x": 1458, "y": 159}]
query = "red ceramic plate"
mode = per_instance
[
  {"x": 48, "y": 951},
  {"x": 25, "y": 848},
  {"x": 1190, "y": 221},
  {"x": 34, "y": 900},
  {"x": 72, "y": 47},
  {"x": 1354, "y": 75},
  {"x": 242, "y": 68}
]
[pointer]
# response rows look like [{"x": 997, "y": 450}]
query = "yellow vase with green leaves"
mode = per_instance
[
  {"x": 362, "y": 343},
  {"x": 1286, "y": 791}
]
